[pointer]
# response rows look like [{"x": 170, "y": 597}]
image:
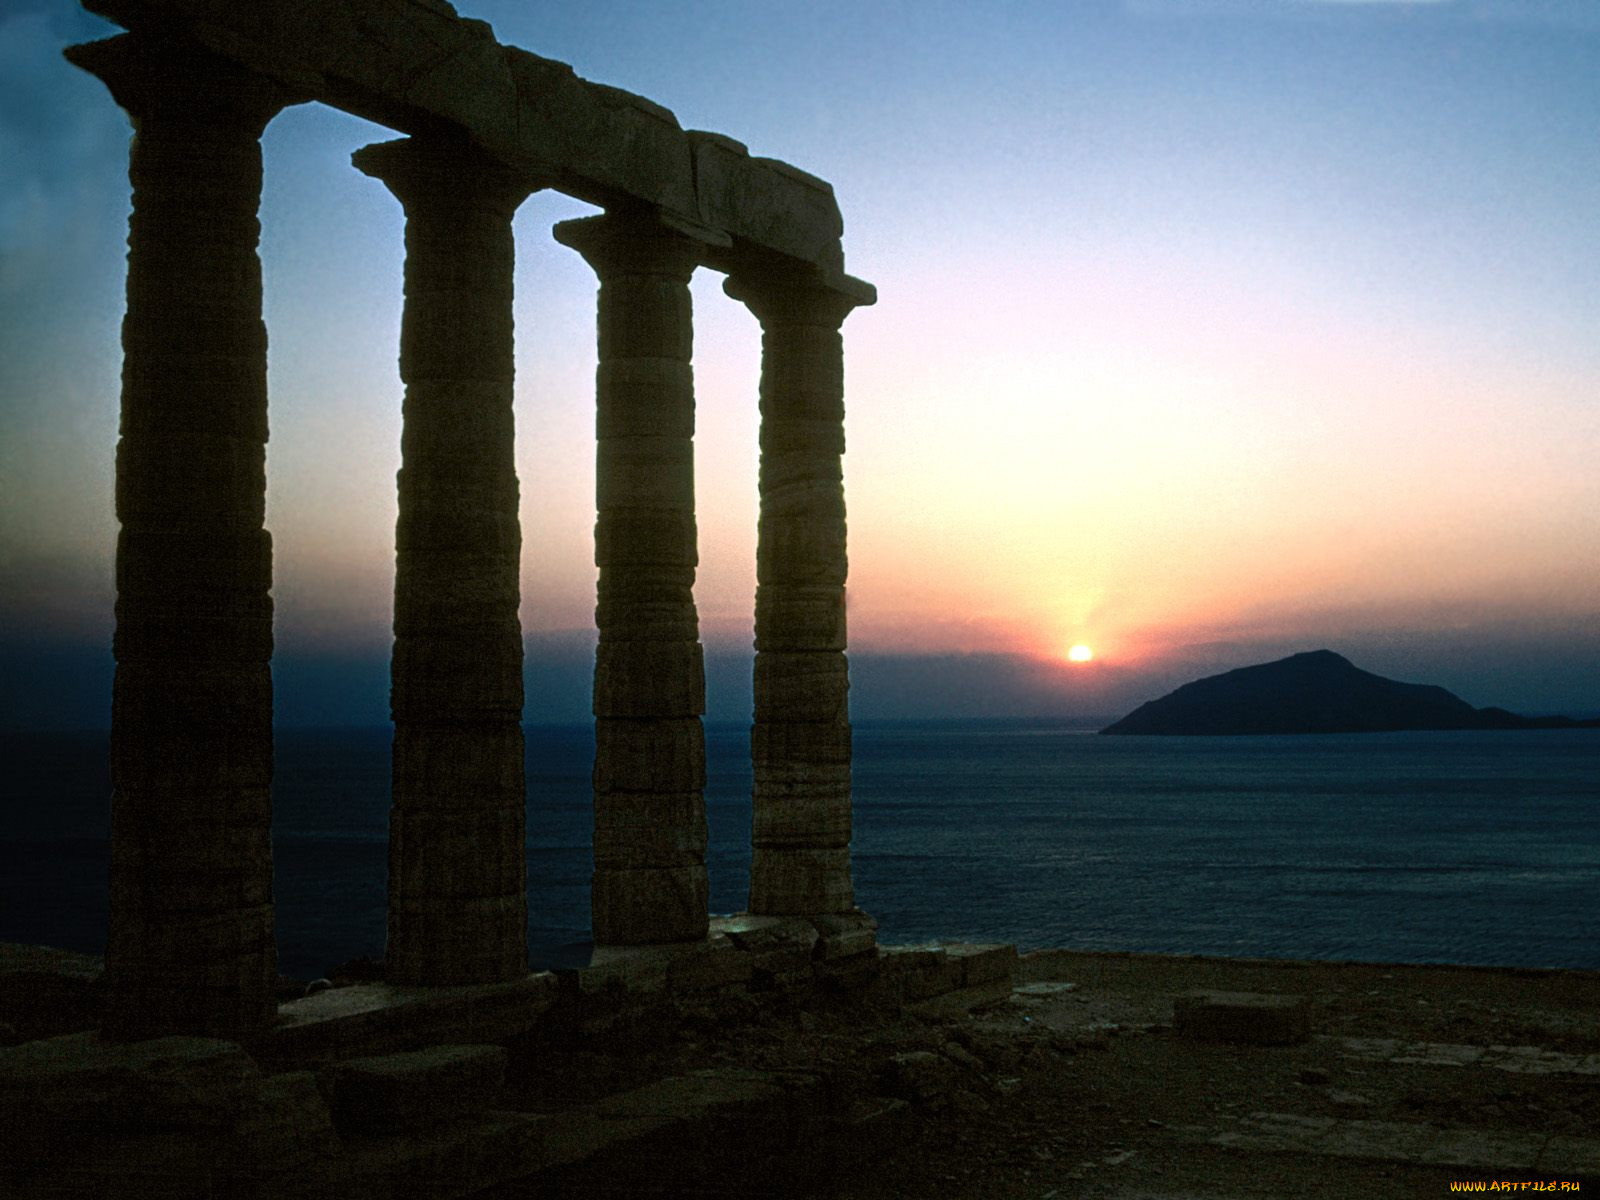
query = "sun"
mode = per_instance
[{"x": 1080, "y": 653}]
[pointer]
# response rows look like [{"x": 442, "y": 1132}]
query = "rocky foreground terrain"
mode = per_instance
[{"x": 948, "y": 1070}]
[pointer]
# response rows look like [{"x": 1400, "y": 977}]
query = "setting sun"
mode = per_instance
[{"x": 1080, "y": 653}]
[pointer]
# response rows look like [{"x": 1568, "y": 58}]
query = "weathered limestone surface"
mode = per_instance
[
  {"x": 457, "y": 906},
  {"x": 649, "y": 684},
  {"x": 800, "y": 743},
  {"x": 190, "y": 945},
  {"x": 414, "y": 66}
]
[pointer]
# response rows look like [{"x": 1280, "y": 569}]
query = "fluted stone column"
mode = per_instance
[
  {"x": 190, "y": 943},
  {"x": 649, "y": 685},
  {"x": 800, "y": 743},
  {"x": 457, "y": 865}
]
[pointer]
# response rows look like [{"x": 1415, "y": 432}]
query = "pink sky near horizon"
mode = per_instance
[{"x": 1194, "y": 331}]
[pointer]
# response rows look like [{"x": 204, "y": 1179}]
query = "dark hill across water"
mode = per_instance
[{"x": 1317, "y": 692}]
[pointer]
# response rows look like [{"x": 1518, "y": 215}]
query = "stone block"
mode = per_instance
[
  {"x": 434, "y": 940},
  {"x": 649, "y": 679},
  {"x": 446, "y": 332},
  {"x": 985, "y": 962},
  {"x": 644, "y": 316},
  {"x": 786, "y": 432},
  {"x": 713, "y": 963},
  {"x": 1242, "y": 1018},
  {"x": 646, "y": 620},
  {"x": 780, "y": 743},
  {"x": 56, "y": 1092},
  {"x": 397, "y": 1092},
  {"x": 378, "y": 1018},
  {"x": 802, "y": 375},
  {"x": 801, "y": 548},
  {"x": 286, "y": 1125},
  {"x": 471, "y": 492},
  {"x": 194, "y": 771},
  {"x": 632, "y": 906},
  {"x": 804, "y": 480},
  {"x": 491, "y": 533},
  {"x": 796, "y": 617},
  {"x": 780, "y": 950},
  {"x": 171, "y": 479},
  {"x": 645, "y": 472},
  {"x": 459, "y": 678},
  {"x": 822, "y": 783},
  {"x": 791, "y": 881},
  {"x": 190, "y": 936},
  {"x": 480, "y": 767},
  {"x": 625, "y": 537},
  {"x": 201, "y": 866},
  {"x": 913, "y": 973},
  {"x": 644, "y": 397},
  {"x": 219, "y": 706},
  {"x": 845, "y": 935},
  {"x": 920, "y": 1077},
  {"x": 800, "y": 821},
  {"x": 451, "y": 854},
  {"x": 235, "y": 561},
  {"x": 662, "y": 755},
  {"x": 959, "y": 1001},
  {"x": 802, "y": 688},
  {"x": 461, "y": 419},
  {"x": 455, "y": 595},
  {"x": 640, "y": 970},
  {"x": 637, "y": 830}
]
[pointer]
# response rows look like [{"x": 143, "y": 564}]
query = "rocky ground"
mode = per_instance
[
  {"x": 958, "y": 1072},
  {"x": 1077, "y": 1085}
]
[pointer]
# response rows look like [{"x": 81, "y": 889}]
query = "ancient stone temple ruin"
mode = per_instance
[{"x": 191, "y": 937}]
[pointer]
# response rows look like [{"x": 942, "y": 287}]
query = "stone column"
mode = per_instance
[
  {"x": 457, "y": 865},
  {"x": 649, "y": 683},
  {"x": 190, "y": 943},
  {"x": 800, "y": 743}
]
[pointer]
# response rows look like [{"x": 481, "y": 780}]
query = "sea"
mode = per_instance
[{"x": 1460, "y": 847}]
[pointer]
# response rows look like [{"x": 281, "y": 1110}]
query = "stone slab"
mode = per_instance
[
  {"x": 842, "y": 935},
  {"x": 382, "y": 1018},
  {"x": 964, "y": 1000},
  {"x": 983, "y": 962},
  {"x": 415, "y": 1089},
  {"x": 78, "y": 1084},
  {"x": 915, "y": 973},
  {"x": 1242, "y": 1018}
]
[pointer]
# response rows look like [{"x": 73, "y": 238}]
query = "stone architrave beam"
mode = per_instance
[
  {"x": 190, "y": 944},
  {"x": 649, "y": 685},
  {"x": 415, "y": 65},
  {"x": 457, "y": 902}
]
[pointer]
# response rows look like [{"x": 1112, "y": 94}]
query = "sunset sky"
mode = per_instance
[{"x": 1208, "y": 331}]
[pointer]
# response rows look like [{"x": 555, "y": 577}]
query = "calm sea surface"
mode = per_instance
[{"x": 1419, "y": 847}]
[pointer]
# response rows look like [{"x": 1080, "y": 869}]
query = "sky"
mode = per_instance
[{"x": 1208, "y": 331}]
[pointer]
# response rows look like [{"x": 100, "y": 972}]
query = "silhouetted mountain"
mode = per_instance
[{"x": 1317, "y": 692}]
